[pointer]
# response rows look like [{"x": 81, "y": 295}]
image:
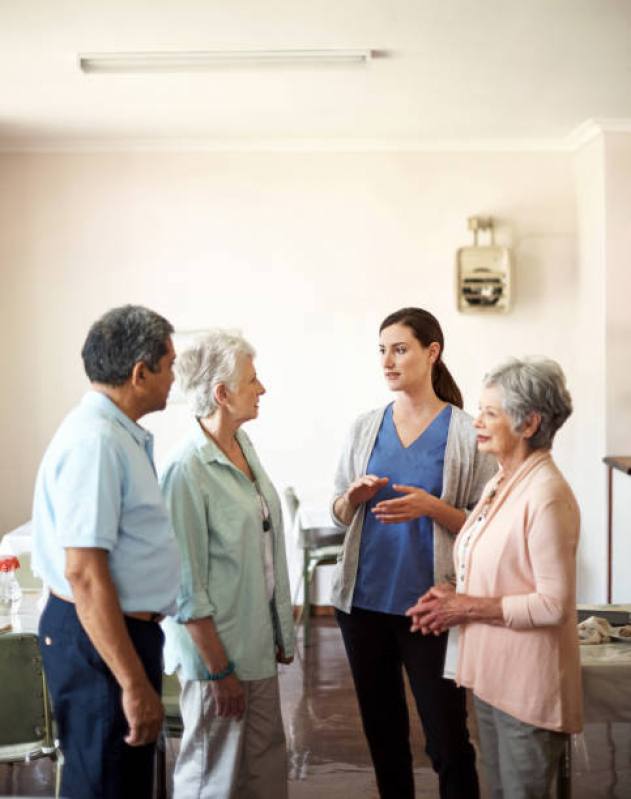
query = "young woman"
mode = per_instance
[{"x": 406, "y": 475}]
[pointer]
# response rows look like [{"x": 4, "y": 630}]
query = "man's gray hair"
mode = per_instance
[
  {"x": 120, "y": 339},
  {"x": 533, "y": 385},
  {"x": 214, "y": 357}
]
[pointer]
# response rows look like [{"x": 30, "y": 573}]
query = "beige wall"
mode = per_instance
[
  {"x": 306, "y": 253},
  {"x": 617, "y": 172},
  {"x": 590, "y": 343},
  {"x": 617, "y": 179}
]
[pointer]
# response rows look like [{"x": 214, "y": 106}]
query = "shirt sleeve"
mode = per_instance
[
  {"x": 344, "y": 474},
  {"x": 188, "y": 517},
  {"x": 89, "y": 485},
  {"x": 552, "y": 543}
]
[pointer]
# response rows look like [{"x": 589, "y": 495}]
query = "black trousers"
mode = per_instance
[
  {"x": 86, "y": 698},
  {"x": 378, "y": 645}
]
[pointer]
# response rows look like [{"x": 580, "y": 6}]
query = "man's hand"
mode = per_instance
[
  {"x": 229, "y": 697},
  {"x": 100, "y": 614},
  {"x": 144, "y": 712}
]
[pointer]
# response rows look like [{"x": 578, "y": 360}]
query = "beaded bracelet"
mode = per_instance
[{"x": 221, "y": 674}]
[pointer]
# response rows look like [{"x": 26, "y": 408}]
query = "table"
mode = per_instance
[
  {"x": 606, "y": 670},
  {"x": 606, "y": 673},
  {"x": 24, "y": 615},
  {"x": 17, "y": 541}
]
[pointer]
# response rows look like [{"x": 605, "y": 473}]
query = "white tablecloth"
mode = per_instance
[
  {"x": 606, "y": 682},
  {"x": 17, "y": 541}
]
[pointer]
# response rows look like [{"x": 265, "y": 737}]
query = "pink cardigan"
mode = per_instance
[{"x": 526, "y": 554}]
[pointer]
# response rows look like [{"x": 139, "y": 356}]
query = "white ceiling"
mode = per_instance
[{"x": 451, "y": 70}]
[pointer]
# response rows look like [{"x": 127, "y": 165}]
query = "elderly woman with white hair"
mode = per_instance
[
  {"x": 234, "y": 620},
  {"x": 514, "y": 601}
]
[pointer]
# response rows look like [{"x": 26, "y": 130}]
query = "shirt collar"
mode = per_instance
[
  {"x": 97, "y": 400},
  {"x": 208, "y": 449}
]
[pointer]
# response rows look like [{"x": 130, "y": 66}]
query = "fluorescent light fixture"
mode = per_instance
[{"x": 200, "y": 61}]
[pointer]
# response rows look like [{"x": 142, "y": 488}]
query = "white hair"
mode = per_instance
[
  {"x": 533, "y": 385},
  {"x": 214, "y": 357}
]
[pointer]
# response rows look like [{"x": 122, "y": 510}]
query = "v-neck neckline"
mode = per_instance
[{"x": 421, "y": 434}]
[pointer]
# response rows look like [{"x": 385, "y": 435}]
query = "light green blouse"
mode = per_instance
[{"x": 216, "y": 515}]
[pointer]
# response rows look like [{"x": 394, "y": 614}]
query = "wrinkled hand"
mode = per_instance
[
  {"x": 364, "y": 488},
  {"x": 438, "y": 610},
  {"x": 144, "y": 712},
  {"x": 412, "y": 505},
  {"x": 281, "y": 657},
  {"x": 229, "y": 697}
]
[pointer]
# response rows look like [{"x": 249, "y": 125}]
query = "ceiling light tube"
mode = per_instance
[{"x": 199, "y": 61}]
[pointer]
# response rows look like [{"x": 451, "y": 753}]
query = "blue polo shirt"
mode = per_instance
[
  {"x": 396, "y": 561},
  {"x": 97, "y": 488}
]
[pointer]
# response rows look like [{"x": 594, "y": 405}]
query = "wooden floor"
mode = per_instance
[{"x": 327, "y": 754}]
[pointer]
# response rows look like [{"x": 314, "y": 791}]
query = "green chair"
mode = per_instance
[
  {"x": 320, "y": 546},
  {"x": 171, "y": 728},
  {"x": 27, "y": 730}
]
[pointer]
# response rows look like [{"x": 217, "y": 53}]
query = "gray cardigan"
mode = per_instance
[{"x": 466, "y": 472}]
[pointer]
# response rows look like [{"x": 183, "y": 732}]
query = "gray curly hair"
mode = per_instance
[
  {"x": 214, "y": 357},
  {"x": 533, "y": 385}
]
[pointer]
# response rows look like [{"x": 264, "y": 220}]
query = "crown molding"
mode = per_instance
[
  {"x": 592, "y": 128},
  {"x": 580, "y": 136}
]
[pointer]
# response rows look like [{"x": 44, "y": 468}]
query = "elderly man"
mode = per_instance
[{"x": 102, "y": 541}]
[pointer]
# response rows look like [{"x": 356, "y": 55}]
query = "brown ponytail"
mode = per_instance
[
  {"x": 444, "y": 384},
  {"x": 426, "y": 330}
]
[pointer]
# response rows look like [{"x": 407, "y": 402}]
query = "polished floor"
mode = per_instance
[{"x": 328, "y": 757}]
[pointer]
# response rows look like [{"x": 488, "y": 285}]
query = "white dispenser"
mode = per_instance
[{"x": 484, "y": 280}]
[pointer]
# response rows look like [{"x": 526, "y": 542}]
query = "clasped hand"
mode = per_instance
[
  {"x": 438, "y": 610},
  {"x": 412, "y": 505}
]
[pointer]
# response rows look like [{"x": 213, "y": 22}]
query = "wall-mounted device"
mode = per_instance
[{"x": 484, "y": 279}]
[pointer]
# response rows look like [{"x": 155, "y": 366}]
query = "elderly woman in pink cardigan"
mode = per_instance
[{"x": 513, "y": 605}]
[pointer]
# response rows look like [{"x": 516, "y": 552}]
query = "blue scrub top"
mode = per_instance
[{"x": 396, "y": 561}]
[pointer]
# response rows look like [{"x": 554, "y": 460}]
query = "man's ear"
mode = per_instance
[{"x": 138, "y": 374}]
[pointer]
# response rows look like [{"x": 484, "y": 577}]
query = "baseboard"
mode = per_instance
[{"x": 316, "y": 610}]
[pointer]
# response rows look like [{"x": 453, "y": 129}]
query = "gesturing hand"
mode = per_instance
[
  {"x": 364, "y": 488},
  {"x": 412, "y": 505}
]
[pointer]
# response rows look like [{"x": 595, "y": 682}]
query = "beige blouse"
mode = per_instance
[{"x": 526, "y": 554}]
